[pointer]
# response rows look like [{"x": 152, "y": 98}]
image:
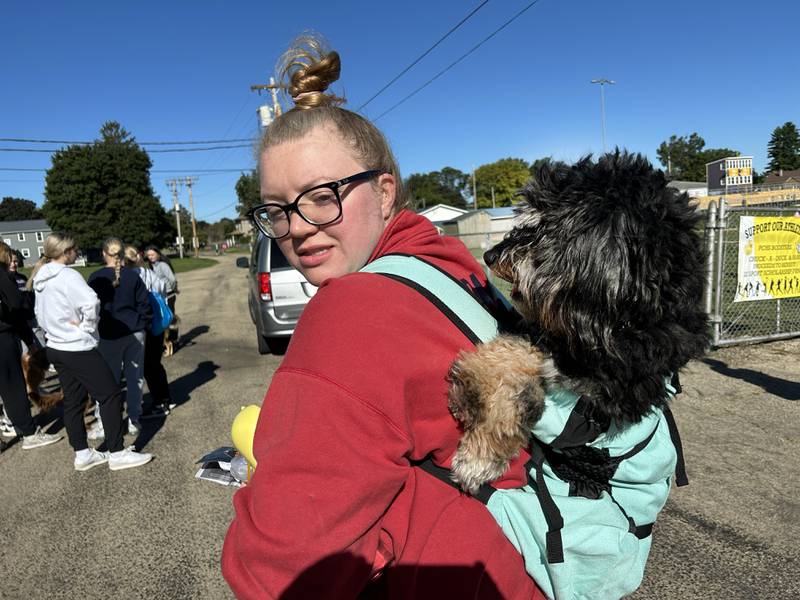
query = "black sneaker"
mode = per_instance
[{"x": 158, "y": 411}]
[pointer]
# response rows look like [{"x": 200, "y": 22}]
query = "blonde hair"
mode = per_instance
[
  {"x": 6, "y": 256},
  {"x": 132, "y": 257},
  {"x": 55, "y": 246},
  {"x": 116, "y": 249},
  {"x": 306, "y": 70}
]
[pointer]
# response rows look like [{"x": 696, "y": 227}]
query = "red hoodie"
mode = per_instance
[{"x": 334, "y": 509}]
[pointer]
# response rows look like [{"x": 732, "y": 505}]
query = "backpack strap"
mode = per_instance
[{"x": 442, "y": 290}]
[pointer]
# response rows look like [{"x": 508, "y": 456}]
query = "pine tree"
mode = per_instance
[
  {"x": 103, "y": 189},
  {"x": 783, "y": 149}
]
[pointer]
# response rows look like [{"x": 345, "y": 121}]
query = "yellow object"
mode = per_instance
[{"x": 243, "y": 430}]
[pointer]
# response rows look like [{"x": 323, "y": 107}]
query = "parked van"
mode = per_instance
[{"x": 277, "y": 295}]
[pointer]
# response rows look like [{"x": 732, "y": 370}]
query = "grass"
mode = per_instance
[{"x": 180, "y": 265}]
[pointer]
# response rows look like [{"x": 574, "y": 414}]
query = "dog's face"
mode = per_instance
[{"x": 606, "y": 265}]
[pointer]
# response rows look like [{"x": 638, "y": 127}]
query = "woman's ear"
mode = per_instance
[{"x": 388, "y": 190}]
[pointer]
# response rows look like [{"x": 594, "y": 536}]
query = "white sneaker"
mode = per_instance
[
  {"x": 7, "y": 429},
  {"x": 39, "y": 439},
  {"x": 127, "y": 459},
  {"x": 133, "y": 427},
  {"x": 95, "y": 458},
  {"x": 96, "y": 431}
]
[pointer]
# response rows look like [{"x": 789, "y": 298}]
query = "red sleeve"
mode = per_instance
[{"x": 329, "y": 464}]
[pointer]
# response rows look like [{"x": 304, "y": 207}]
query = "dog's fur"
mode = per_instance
[
  {"x": 607, "y": 268},
  {"x": 34, "y": 367}
]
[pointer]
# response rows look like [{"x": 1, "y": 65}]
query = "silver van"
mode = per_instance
[{"x": 277, "y": 295}]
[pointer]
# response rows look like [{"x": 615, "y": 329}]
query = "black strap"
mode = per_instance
[
  {"x": 681, "y": 478},
  {"x": 643, "y": 531},
  {"x": 552, "y": 515},
  {"x": 484, "y": 492}
]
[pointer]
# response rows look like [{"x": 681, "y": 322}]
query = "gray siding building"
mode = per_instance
[{"x": 25, "y": 236}]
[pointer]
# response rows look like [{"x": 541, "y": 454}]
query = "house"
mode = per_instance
[
  {"x": 694, "y": 189},
  {"x": 25, "y": 236},
  {"x": 481, "y": 229},
  {"x": 730, "y": 175},
  {"x": 440, "y": 213},
  {"x": 782, "y": 177}
]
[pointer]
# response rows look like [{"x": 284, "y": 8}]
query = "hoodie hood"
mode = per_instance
[{"x": 47, "y": 272}]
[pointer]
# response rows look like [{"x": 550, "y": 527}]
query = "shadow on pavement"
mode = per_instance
[
  {"x": 187, "y": 339},
  {"x": 783, "y": 388},
  {"x": 181, "y": 390}
]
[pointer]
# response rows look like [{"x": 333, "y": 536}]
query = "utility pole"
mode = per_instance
[
  {"x": 603, "y": 83},
  {"x": 172, "y": 184},
  {"x": 189, "y": 181},
  {"x": 276, "y": 107},
  {"x": 493, "y": 206},
  {"x": 474, "y": 191}
]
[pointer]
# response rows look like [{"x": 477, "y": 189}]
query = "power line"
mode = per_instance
[
  {"x": 152, "y": 170},
  {"x": 423, "y": 55},
  {"x": 52, "y": 150},
  {"x": 462, "y": 57},
  {"x": 226, "y": 207},
  {"x": 32, "y": 141}
]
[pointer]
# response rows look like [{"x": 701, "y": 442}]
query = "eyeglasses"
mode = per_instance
[{"x": 319, "y": 205}]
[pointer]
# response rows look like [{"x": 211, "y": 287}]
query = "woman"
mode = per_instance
[
  {"x": 67, "y": 309},
  {"x": 15, "y": 311},
  {"x": 154, "y": 372},
  {"x": 163, "y": 270},
  {"x": 125, "y": 316},
  {"x": 336, "y": 508}
]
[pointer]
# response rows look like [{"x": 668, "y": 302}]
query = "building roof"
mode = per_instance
[
  {"x": 713, "y": 162},
  {"x": 499, "y": 213},
  {"x": 682, "y": 186},
  {"x": 429, "y": 209},
  {"x": 782, "y": 176},
  {"x": 24, "y": 226}
]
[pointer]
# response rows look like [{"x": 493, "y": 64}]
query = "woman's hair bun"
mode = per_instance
[{"x": 307, "y": 69}]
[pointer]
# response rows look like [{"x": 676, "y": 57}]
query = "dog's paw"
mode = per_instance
[{"x": 496, "y": 394}]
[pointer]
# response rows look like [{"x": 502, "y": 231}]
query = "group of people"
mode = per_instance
[{"x": 93, "y": 333}]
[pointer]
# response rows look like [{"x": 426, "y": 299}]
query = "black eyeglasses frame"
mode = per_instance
[{"x": 288, "y": 209}]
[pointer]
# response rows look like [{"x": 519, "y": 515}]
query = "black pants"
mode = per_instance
[
  {"x": 154, "y": 373},
  {"x": 86, "y": 372},
  {"x": 12, "y": 384}
]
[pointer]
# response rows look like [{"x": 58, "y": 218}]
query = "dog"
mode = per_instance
[
  {"x": 171, "y": 336},
  {"x": 34, "y": 368},
  {"x": 607, "y": 269}
]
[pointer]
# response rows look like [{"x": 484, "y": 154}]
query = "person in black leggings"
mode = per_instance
[{"x": 15, "y": 312}]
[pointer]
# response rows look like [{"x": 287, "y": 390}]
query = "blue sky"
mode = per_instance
[{"x": 181, "y": 71}]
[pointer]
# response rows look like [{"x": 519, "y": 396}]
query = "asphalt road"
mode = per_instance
[{"x": 156, "y": 531}]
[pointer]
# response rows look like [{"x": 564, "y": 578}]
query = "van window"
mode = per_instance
[{"x": 278, "y": 259}]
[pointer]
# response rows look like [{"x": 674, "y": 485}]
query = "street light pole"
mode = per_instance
[{"x": 603, "y": 83}]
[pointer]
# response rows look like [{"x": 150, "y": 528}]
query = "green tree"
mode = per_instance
[
  {"x": 505, "y": 176},
  {"x": 103, "y": 189},
  {"x": 783, "y": 149},
  {"x": 685, "y": 158},
  {"x": 447, "y": 186},
  {"x": 18, "y": 209},
  {"x": 248, "y": 190}
]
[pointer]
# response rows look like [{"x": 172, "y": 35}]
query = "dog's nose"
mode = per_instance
[{"x": 490, "y": 256}]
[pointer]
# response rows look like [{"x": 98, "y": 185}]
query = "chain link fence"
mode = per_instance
[{"x": 751, "y": 321}]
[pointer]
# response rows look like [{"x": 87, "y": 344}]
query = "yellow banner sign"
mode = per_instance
[{"x": 769, "y": 258}]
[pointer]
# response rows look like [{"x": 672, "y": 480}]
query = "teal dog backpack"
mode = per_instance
[{"x": 583, "y": 522}]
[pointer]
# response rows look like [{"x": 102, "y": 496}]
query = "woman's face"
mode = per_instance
[
  {"x": 152, "y": 256},
  {"x": 341, "y": 247},
  {"x": 13, "y": 266},
  {"x": 71, "y": 255}
]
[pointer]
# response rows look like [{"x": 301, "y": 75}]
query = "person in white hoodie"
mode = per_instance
[{"x": 67, "y": 309}]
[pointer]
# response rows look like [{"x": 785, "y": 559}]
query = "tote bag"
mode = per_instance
[{"x": 162, "y": 315}]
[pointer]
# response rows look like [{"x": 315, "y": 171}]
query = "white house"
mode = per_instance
[{"x": 442, "y": 213}]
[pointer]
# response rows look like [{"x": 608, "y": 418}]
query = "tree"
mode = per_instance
[
  {"x": 103, "y": 189},
  {"x": 438, "y": 187},
  {"x": 248, "y": 190},
  {"x": 18, "y": 209},
  {"x": 685, "y": 157},
  {"x": 783, "y": 149},
  {"x": 505, "y": 176}
]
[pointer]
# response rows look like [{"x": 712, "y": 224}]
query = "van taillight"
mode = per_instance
[{"x": 264, "y": 287}]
